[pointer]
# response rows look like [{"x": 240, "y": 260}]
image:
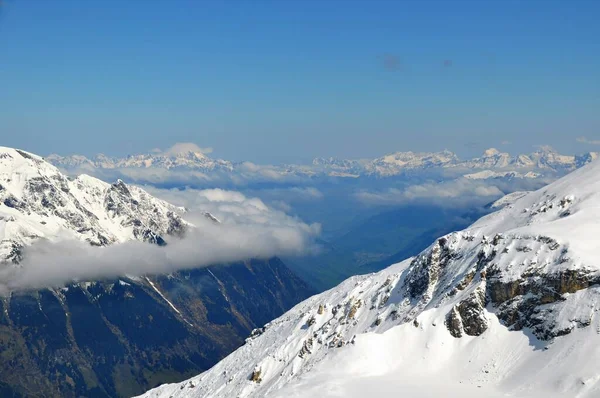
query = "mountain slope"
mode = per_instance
[
  {"x": 117, "y": 337},
  {"x": 509, "y": 304},
  {"x": 38, "y": 202}
]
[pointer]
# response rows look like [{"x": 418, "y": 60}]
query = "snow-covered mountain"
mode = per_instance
[
  {"x": 117, "y": 336},
  {"x": 38, "y": 202},
  {"x": 507, "y": 306},
  {"x": 489, "y": 174},
  {"x": 186, "y": 159},
  {"x": 394, "y": 163},
  {"x": 545, "y": 160}
]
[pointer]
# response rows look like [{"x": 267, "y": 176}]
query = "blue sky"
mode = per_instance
[{"x": 273, "y": 81}]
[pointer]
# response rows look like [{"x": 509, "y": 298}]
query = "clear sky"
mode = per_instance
[{"x": 274, "y": 81}]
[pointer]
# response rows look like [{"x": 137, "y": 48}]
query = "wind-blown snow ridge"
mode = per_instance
[
  {"x": 38, "y": 202},
  {"x": 509, "y": 304}
]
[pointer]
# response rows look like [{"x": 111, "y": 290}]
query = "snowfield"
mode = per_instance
[{"x": 506, "y": 307}]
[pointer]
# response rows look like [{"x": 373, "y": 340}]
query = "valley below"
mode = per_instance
[{"x": 118, "y": 338}]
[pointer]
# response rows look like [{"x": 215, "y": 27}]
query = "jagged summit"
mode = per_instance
[
  {"x": 38, "y": 202},
  {"x": 507, "y": 306},
  {"x": 491, "y": 152}
]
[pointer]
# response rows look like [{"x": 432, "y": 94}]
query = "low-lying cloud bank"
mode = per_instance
[
  {"x": 247, "y": 229},
  {"x": 233, "y": 207},
  {"x": 459, "y": 192},
  {"x": 245, "y": 174}
]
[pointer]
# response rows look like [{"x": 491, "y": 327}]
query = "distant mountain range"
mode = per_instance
[{"x": 495, "y": 164}]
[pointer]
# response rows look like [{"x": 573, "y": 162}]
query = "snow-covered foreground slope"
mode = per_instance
[
  {"x": 508, "y": 306},
  {"x": 38, "y": 202}
]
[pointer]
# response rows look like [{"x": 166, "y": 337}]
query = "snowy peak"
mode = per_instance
[
  {"x": 494, "y": 159},
  {"x": 477, "y": 304},
  {"x": 391, "y": 164},
  {"x": 189, "y": 157},
  {"x": 38, "y": 202},
  {"x": 491, "y": 152},
  {"x": 166, "y": 160}
]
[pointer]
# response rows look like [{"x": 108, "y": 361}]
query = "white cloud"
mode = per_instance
[
  {"x": 308, "y": 192},
  {"x": 585, "y": 140},
  {"x": 280, "y": 204},
  {"x": 455, "y": 192},
  {"x": 243, "y": 174},
  {"x": 185, "y": 147},
  {"x": 290, "y": 194},
  {"x": 153, "y": 175},
  {"x": 250, "y": 170},
  {"x": 221, "y": 195},
  {"x": 248, "y": 229}
]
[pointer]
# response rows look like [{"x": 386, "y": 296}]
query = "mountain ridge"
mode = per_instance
[
  {"x": 39, "y": 202},
  {"x": 388, "y": 165},
  {"x": 489, "y": 306}
]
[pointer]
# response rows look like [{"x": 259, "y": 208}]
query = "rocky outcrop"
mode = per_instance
[
  {"x": 425, "y": 270},
  {"x": 518, "y": 298},
  {"x": 520, "y": 302},
  {"x": 468, "y": 316},
  {"x": 256, "y": 375}
]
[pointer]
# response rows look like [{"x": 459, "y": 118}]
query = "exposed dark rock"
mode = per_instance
[
  {"x": 306, "y": 348},
  {"x": 519, "y": 301},
  {"x": 11, "y": 201},
  {"x": 425, "y": 269},
  {"x": 468, "y": 316},
  {"x": 27, "y": 156},
  {"x": 255, "y": 376},
  {"x": 454, "y": 323},
  {"x": 354, "y": 308}
]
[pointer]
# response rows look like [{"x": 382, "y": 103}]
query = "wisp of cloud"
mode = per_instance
[{"x": 248, "y": 229}]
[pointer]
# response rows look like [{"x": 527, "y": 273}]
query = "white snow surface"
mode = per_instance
[
  {"x": 371, "y": 336},
  {"x": 508, "y": 199},
  {"x": 38, "y": 202}
]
